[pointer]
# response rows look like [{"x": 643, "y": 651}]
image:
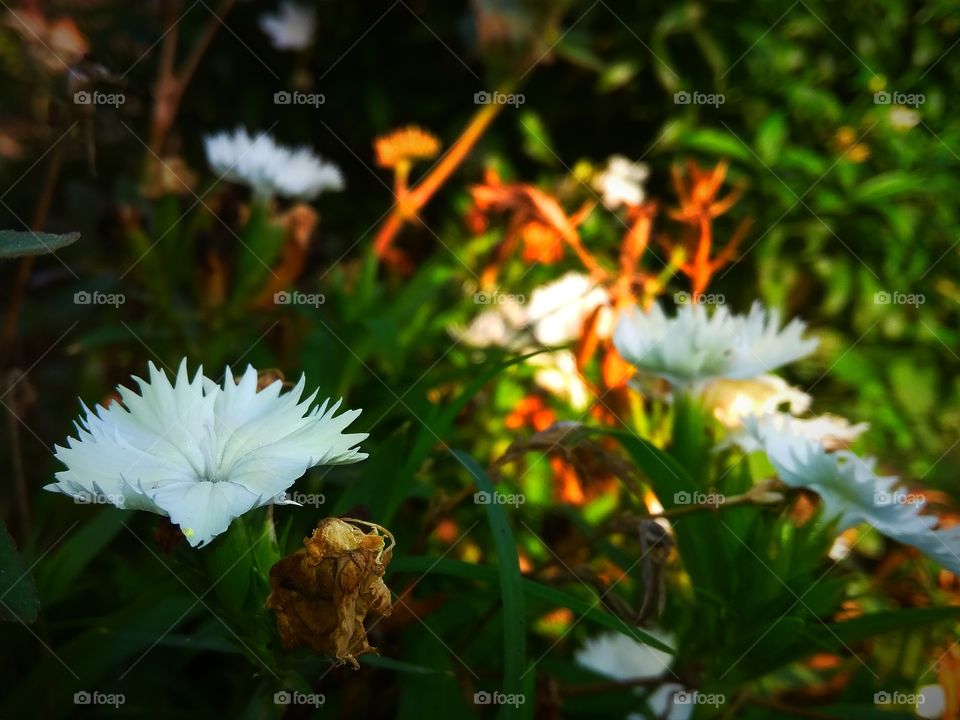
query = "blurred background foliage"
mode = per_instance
[{"x": 849, "y": 196}]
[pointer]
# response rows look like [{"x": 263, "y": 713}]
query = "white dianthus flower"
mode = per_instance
[
  {"x": 851, "y": 492},
  {"x": 292, "y": 28},
  {"x": 622, "y": 658},
  {"x": 200, "y": 453},
  {"x": 269, "y": 169},
  {"x": 831, "y": 431},
  {"x": 694, "y": 347}
]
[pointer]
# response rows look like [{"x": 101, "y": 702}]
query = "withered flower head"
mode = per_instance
[
  {"x": 405, "y": 145},
  {"x": 323, "y": 592}
]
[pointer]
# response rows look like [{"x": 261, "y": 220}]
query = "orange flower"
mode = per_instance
[
  {"x": 566, "y": 482},
  {"x": 532, "y": 411},
  {"x": 698, "y": 192},
  {"x": 447, "y": 531},
  {"x": 534, "y": 217},
  {"x": 405, "y": 145},
  {"x": 541, "y": 243}
]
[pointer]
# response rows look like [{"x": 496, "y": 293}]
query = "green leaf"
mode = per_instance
[
  {"x": 436, "y": 421},
  {"x": 114, "y": 645},
  {"x": 867, "y": 626},
  {"x": 616, "y": 75},
  {"x": 588, "y": 610},
  {"x": 58, "y": 573},
  {"x": 14, "y": 243},
  {"x": 575, "y": 47},
  {"x": 232, "y": 565},
  {"x": 771, "y": 137},
  {"x": 715, "y": 142},
  {"x": 702, "y": 541},
  {"x": 18, "y": 595},
  {"x": 511, "y": 586},
  {"x": 537, "y": 142},
  {"x": 888, "y": 185},
  {"x": 257, "y": 250}
]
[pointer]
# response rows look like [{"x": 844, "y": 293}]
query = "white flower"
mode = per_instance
[
  {"x": 270, "y": 169},
  {"x": 201, "y": 453},
  {"x": 931, "y": 701},
  {"x": 622, "y": 658},
  {"x": 557, "y": 310},
  {"x": 851, "y": 492},
  {"x": 557, "y": 373},
  {"x": 292, "y": 28},
  {"x": 621, "y": 182},
  {"x": 902, "y": 118},
  {"x": 732, "y": 400},
  {"x": 554, "y": 315},
  {"x": 694, "y": 347},
  {"x": 831, "y": 431}
]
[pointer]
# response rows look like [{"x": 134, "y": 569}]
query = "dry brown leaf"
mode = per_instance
[{"x": 322, "y": 593}]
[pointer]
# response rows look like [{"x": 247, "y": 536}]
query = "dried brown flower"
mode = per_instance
[{"x": 322, "y": 593}]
